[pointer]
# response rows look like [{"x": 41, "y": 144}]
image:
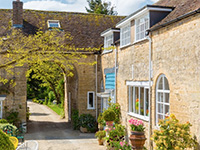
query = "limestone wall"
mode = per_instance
[{"x": 176, "y": 54}]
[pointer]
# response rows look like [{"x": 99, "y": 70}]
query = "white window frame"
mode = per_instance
[
  {"x": 132, "y": 100},
  {"x": 163, "y": 91},
  {"x": 138, "y": 27},
  {"x": 125, "y": 35},
  {"x": 108, "y": 41},
  {"x": 88, "y": 106},
  {"x": 57, "y": 21}
]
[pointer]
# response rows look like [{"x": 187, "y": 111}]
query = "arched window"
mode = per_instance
[{"x": 162, "y": 98}]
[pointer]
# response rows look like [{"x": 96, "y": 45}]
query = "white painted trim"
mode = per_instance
[
  {"x": 138, "y": 83},
  {"x": 140, "y": 13},
  {"x": 109, "y": 32},
  {"x": 146, "y": 118},
  {"x": 88, "y": 100},
  {"x": 107, "y": 51},
  {"x": 1, "y": 105},
  {"x": 55, "y": 21}
]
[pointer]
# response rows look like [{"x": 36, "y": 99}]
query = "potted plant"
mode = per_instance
[
  {"x": 87, "y": 123},
  {"x": 109, "y": 116},
  {"x": 137, "y": 136},
  {"x": 100, "y": 135}
]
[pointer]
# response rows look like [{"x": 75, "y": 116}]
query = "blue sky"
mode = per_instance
[{"x": 123, "y": 7}]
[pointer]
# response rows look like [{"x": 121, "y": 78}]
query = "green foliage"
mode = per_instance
[
  {"x": 88, "y": 121},
  {"x": 115, "y": 134},
  {"x": 12, "y": 117},
  {"x": 5, "y": 143},
  {"x": 2, "y": 125},
  {"x": 109, "y": 115},
  {"x": 3, "y": 121},
  {"x": 116, "y": 108},
  {"x": 121, "y": 145},
  {"x": 37, "y": 101},
  {"x": 75, "y": 119},
  {"x": 51, "y": 96},
  {"x": 45, "y": 101},
  {"x": 100, "y": 134},
  {"x": 100, "y": 119},
  {"x": 60, "y": 91},
  {"x": 100, "y": 7},
  {"x": 28, "y": 113},
  {"x": 173, "y": 135}
]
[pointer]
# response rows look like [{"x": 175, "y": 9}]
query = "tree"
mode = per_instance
[
  {"x": 51, "y": 46},
  {"x": 99, "y": 7}
]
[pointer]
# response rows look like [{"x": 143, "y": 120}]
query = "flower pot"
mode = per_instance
[
  {"x": 109, "y": 123},
  {"x": 100, "y": 141},
  {"x": 137, "y": 140},
  {"x": 83, "y": 130}
]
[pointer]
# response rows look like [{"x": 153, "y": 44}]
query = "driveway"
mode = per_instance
[{"x": 53, "y": 133}]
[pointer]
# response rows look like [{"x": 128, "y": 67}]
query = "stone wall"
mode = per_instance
[{"x": 176, "y": 54}]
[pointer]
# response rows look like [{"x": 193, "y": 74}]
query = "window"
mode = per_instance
[
  {"x": 139, "y": 101},
  {"x": 108, "y": 40},
  {"x": 142, "y": 24},
  {"x": 125, "y": 36},
  {"x": 90, "y": 100},
  {"x": 162, "y": 98},
  {"x": 53, "y": 24}
]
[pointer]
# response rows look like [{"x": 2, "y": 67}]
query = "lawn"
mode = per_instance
[{"x": 56, "y": 108}]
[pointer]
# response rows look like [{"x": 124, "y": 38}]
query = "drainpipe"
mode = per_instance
[
  {"x": 150, "y": 68},
  {"x": 116, "y": 74},
  {"x": 96, "y": 87}
]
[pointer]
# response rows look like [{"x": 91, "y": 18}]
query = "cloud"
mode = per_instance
[
  {"x": 70, "y": 5},
  {"x": 122, "y": 7}
]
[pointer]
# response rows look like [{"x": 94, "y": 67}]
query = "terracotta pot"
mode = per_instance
[
  {"x": 83, "y": 130},
  {"x": 100, "y": 141},
  {"x": 137, "y": 140},
  {"x": 109, "y": 123}
]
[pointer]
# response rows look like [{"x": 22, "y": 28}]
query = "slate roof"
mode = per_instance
[
  {"x": 85, "y": 28},
  {"x": 181, "y": 8}
]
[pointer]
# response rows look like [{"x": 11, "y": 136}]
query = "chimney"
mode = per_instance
[{"x": 17, "y": 14}]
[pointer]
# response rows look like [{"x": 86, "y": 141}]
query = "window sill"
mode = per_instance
[
  {"x": 125, "y": 46},
  {"x": 90, "y": 108},
  {"x": 145, "y": 118},
  {"x": 106, "y": 52},
  {"x": 141, "y": 40}
]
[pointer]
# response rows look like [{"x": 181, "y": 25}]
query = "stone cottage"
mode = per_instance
[
  {"x": 155, "y": 65},
  {"x": 85, "y": 29}
]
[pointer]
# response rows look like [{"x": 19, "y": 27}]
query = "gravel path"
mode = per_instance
[{"x": 53, "y": 133}]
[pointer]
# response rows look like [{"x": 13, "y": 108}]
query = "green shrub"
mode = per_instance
[
  {"x": 12, "y": 117},
  {"x": 88, "y": 121},
  {"x": 5, "y": 143},
  {"x": 173, "y": 135},
  {"x": 116, "y": 108},
  {"x": 75, "y": 119},
  {"x": 2, "y": 125},
  {"x": 3, "y": 121},
  {"x": 109, "y": 115},
  {"x": 100, "y": 134},
  {"x": 45, "y": 101},
  {"x": 51, "y": 96}
]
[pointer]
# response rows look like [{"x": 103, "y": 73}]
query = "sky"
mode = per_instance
[{"x": 123, "y": 7}]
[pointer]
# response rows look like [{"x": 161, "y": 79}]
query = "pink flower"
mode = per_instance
[
  {"x": 121, "y": 143},
  {"x": 116, "y": 107}
]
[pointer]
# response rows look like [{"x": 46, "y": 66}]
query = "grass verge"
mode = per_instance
[{"x": 56, "y": 108}]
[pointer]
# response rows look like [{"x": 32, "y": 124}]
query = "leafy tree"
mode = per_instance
[
  {"x": 100, "y": 7},
  {"x": 39, "y": 50}
]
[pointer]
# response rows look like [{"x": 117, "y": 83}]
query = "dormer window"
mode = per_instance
[
  {"x": 125, "y": 36},
  {"x": 108, "y": 41},
  {"x": 53, "y": 24},
  {"x": 142, "y": 24}
]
